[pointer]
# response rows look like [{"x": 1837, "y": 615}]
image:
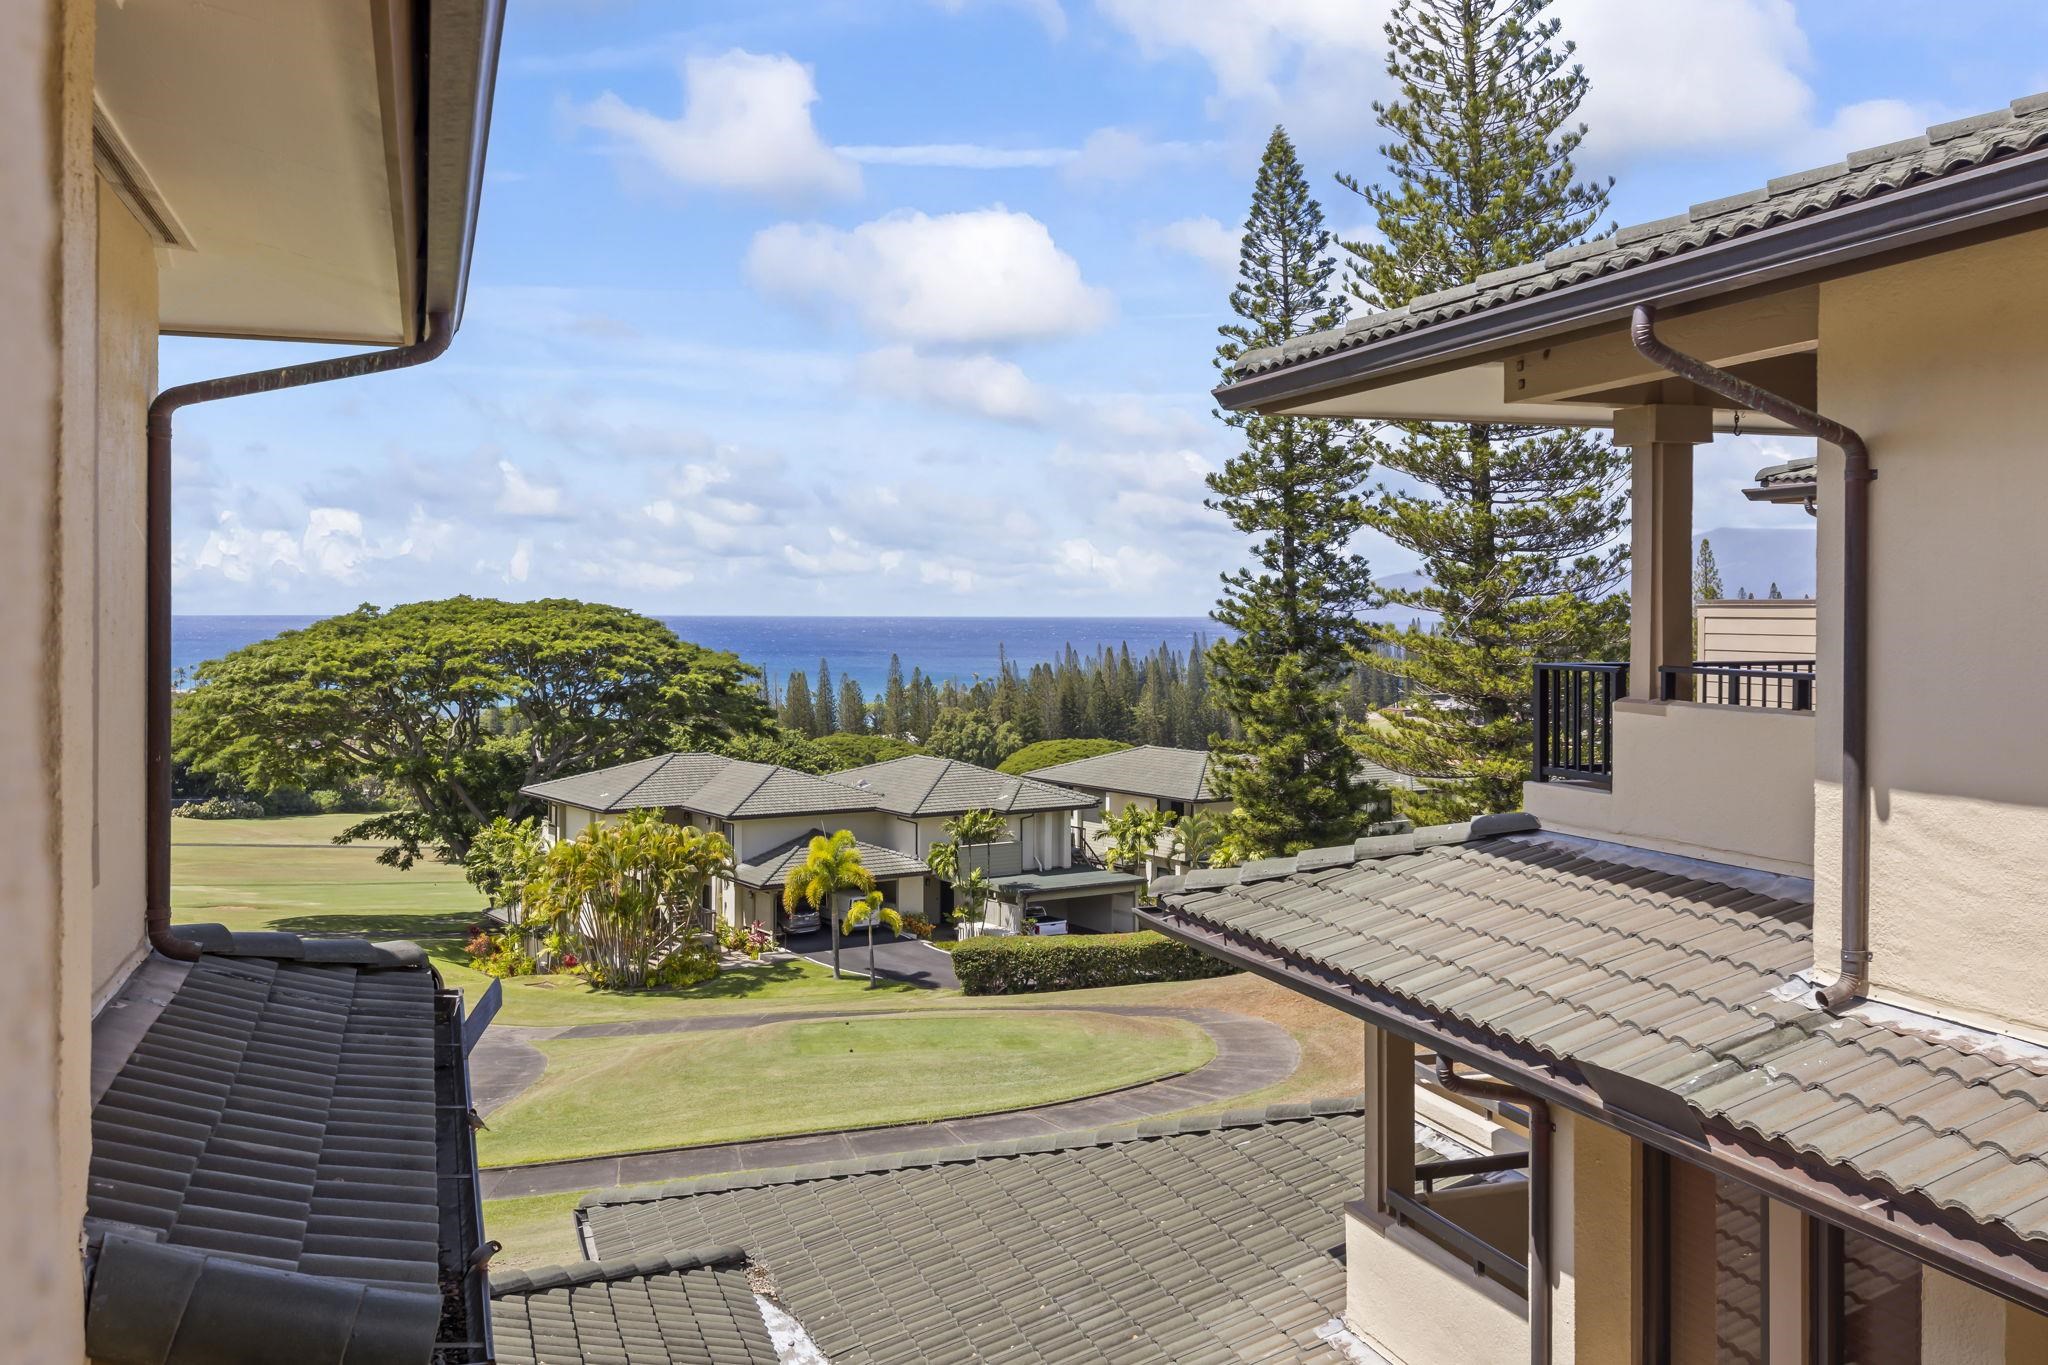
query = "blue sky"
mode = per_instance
[{"x": 908, "y": 306}]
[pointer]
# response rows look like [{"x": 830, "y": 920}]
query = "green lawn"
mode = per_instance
[
  {"x": 286, "y": 874},
  {"x": 609, "y": 1095},
  {"x": 537, "y": 1230}
]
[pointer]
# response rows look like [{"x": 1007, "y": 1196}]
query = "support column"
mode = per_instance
[{"x": 1660, "y": 438}]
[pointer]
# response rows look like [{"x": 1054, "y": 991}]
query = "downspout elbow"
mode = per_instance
[{"x": 1853, "y": 980}]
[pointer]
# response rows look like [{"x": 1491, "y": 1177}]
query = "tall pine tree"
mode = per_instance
[
  {"x": 1295, "y": 489},
  {"x": 827, "y": 704},
  {"x": 1517, "y": 527},
  {"x": 1706, "y": 574}
]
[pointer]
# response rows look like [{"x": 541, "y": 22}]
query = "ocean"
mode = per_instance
[{"x": 960, "y": 648}]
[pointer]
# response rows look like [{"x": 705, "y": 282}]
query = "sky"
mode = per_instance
[{"x": 908, "y": 307}]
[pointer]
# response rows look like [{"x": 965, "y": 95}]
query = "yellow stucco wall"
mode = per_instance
[
  {"x": 127, "y": 381},
  {"x": 47, "y": 351},
  {"x": 1414, "y": 1302},
  {"x": 1937, "y": 362},
  {"x": 1726, "y": 783}
]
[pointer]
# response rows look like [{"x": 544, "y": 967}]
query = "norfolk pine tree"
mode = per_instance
[
  {"x": 1706, "y": 575},
  {"x": 1295, "y": 489},
  {"x": 1517, "y": 527}
]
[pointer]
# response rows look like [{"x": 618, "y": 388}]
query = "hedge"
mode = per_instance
[
  {"x": 1048, "y": 752},
  {"x": 990, "y": 965}
]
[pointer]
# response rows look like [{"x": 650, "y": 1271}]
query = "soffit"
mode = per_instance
[{"x": 278, "y": 134}]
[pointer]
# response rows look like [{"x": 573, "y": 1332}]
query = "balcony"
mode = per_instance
[{"x": 1718, "y": 764}]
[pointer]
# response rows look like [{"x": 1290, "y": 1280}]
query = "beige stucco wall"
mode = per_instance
[
  {"x": 47, "y": 352},
  {"x": 1936, "y": 362},
  {"x": 127, "y": 381},
  {"x": 1414, "y": 1302},
  {"x": 1597, "y": 1221},
  {"x": 1731, "y": 784}
]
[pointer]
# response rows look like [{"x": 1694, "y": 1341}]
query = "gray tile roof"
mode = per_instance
[
  {"x": 923, "y": 785},
  {"x": 692, "y": 1308},
  {"x": 1071, "y": 881},
  {"x": 1943, "y": 150},
  {"x": 1197, "y": 1240},
  {"x": 729, "y": 788},
  {"x": 1147, "y": 770},
  {"x": 1664, "y": 972},
  {"x": 771, "y": 869},
  {"x": 1792, "y": 481},
  {"x": 264, "y": 1163}
]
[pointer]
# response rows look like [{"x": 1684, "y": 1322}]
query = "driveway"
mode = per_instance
[{"x": 896, "y": 959}]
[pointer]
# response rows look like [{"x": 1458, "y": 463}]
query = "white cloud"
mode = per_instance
[
  {"x": 1249, "y": 47},
  {"x": 983, "y": 277},
  {"x": 1205, "y": 239},
  {"x": 1113, "y": 155},
  {"x": 841, "y": 555},
  {"x": 1867, "y": 123},
  {"x": 980, "y": 384},
  {"x": 954, "y": 577},
  {"x": 1048, "y": 13},
  {"x": 519, "y": 496},
  {"x": 746, "y": 125},
  {"x": 1127, "y": 568},
  {"x": 960, "y": 156}
]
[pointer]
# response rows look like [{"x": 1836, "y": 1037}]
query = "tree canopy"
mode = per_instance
[{"x": 455, "y": 705}]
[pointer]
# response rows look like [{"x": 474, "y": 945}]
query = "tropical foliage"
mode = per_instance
[
  {"x": 1295, "y": 487},
  {"x": 502, "y": 858},
  {"x": 1133, "y": 834},
  {"x": 455, "y": 705},
  {"x": 1516, "y": 527},
  {"x": 831, "y": 865},
  {"x": 1199, "y": 840},
  {"x": 624, "y": 896}
]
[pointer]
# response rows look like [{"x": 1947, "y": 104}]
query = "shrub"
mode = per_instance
[
  {"x": 844, "y": 751},
  {"x": 1047, "y": 752},
  {"x": 220, "y": 808},
  {"x": 511, "y": 959},
  {"x": 289, "y": 801},
  {"x": 1067, "y": 962},
  {"x": 918, "y": 926}
]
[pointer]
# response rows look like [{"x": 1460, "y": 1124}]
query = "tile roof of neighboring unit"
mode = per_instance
[
  {"x": 1146, "y": 770},
  {"x": 1042, "y": 1249},
  {"x": 729, "y": 788},
  {"x": 265, "y": 1162},
  {"x": 1942, "y": 151},
  {"x": 771, "y": 869},
  {"x": 1667, "y": 972},
  {"x": 692, "y": 1308},
  {"x": 925, "y": 784}
]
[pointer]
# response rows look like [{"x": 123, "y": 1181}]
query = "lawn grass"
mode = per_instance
[
  {"x": 602, "y": 1096},
  {"x": 285, "y": 873},
  {"x": 537, "y": 1230}
]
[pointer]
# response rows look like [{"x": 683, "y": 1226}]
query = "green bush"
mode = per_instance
[
  {"x": 990, "y": 965},
  {"x": 220, "y": 808},
  {"x": 1047, "y": 752},
  {"x": 845, "y": 751}
]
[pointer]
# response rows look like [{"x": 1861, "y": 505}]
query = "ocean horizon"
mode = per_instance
[{"x": 947, "y": 648}]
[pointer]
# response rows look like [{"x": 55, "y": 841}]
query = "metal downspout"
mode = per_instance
[
  {"x": 157, "y": 736},
  {"x": 1540, "y": 1132},
  {"x": 1857, "y": 474}
]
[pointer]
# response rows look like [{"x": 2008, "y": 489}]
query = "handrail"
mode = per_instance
[
  {"x": 1427, "y": 1173},
  {"x": 1485, "y": 1257},
  {"x": 1770, "y": 684},
  {"x": 1573, "y": 712}
]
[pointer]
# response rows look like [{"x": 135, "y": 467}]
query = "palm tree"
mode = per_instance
[
  {"x": 971, "y": 895},
  {"x": 1198, "y": 839},
  {"x": 867, "y": 910},
  {"x": 831, "y": 865}
]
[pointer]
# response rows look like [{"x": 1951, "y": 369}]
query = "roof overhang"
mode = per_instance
[
  {"x": 310, "y": 171},
  {"x": 1461, "y": 368},
  {"x": 1982, "y": 1254}
]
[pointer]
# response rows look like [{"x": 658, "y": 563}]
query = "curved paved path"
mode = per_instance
[{"x": 1251, "y": 1054}]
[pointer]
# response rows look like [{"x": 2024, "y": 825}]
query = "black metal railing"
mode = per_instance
[
  {"x": 1575, "y": 721},
  {"x": 1427, "y": 1173},
  {"x": 1484, "y": 1257},
  {"x": 1773, "y": 684}
]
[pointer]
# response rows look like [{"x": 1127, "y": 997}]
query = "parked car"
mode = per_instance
[{"x": 801, "y": 922}]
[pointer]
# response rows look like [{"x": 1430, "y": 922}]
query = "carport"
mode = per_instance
[{"x": 1092, "y": 898}]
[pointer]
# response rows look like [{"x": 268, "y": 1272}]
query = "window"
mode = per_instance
[
  {"x": 1866, "y": 1301},
  {"x": 1472, "y": 1203},
  {"x": 1714, "y": 1291}
]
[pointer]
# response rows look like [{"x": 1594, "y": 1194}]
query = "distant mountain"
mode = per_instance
[{"x": 1755, "y": 557}]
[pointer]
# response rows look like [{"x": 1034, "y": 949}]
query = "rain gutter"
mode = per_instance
[
  {"x": 1854, "y": 686},
  {"x": 1984, "y": 1254},
  {"x": 1993, "y": 194},
  {"x": 157, "y": 736},
  {"x": 1541, "y": 1131}
]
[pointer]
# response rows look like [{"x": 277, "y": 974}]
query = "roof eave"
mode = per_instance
[
  {"x": 1831, "y": 242},
  {"x": 460, "y": 41},
  {"x": 1982, "y": 1254}
]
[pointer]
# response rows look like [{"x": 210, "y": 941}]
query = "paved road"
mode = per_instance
[
  {"x": 1250, "y": 1055},
  {"x": 896, "y": 959}
]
